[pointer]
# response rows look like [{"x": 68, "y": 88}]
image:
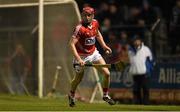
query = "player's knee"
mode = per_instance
[
  {"x": 107, "y": 75},
  {"x": 106, "y": 72}
]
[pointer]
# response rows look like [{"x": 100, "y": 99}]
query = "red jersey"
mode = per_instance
[{"x": 86, "y": 35}]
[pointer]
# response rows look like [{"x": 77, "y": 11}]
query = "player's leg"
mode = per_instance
[
  {"x": 106, "y": 81},
  {"x": 74, "y": 83},
  {"x": 76, "y": 80},
  {"x": 136, "y": 89},
  {"x": 145, "y": 86}
]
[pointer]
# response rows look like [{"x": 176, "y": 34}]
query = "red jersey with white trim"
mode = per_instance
[{"x": 86, "y": 35}]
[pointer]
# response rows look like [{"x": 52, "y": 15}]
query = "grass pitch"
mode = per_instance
[{"x": 26, "y": 103}]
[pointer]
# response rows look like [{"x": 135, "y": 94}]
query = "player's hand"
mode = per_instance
[
  {"x": 108, "y": 50},
  {"x": 81, "y": 62}
]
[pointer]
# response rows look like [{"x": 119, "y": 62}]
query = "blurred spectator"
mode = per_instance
[
  {"x": 134, "y": 15},
  {"x": 124, "y": 47},
  {"x": 106, "y": 25},
  {"x": 115, "y": 46},
  {"x": 112, "y": 11},
  {"x": 119, "y": 47},
  {"x": 140, "y": 28},
  {"x": 148, "y": 13},
  {"x": 102, "y": 12},
  {"x": 175, "y": 28},
  {"x": 20, "y": 65},
  {"x": 116, "y": 15},
  {"x": 140, "y": 67},
  {"x": 123, "y": 38}
]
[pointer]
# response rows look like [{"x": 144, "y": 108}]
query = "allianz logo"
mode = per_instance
[
  {"x": 122, "y": 77},
  {"x": 169, "y": 76}
]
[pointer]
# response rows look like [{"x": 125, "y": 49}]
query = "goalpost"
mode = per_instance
[{"x": 55, "y": 22}]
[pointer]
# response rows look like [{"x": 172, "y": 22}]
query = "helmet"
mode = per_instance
[{"x": 88, "y": 10}]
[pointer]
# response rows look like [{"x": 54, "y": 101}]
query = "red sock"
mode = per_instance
[{"x": 105, "y": 91}]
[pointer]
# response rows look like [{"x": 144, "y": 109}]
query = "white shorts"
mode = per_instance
[{"x": 91, "y": 58}]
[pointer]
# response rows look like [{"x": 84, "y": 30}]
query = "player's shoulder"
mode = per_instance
[
  {"x": 78, "y": 27},
  {"x": 146, "y": 48},
  {"x": 95, "y": 21}
]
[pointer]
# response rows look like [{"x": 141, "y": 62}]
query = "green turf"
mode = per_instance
[{"x": 22, "y": 103}]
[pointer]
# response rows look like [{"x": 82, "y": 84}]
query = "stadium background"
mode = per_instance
[{"x": 18, "y": 25}]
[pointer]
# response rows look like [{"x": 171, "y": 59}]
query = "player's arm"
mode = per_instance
[
  {"x": 103, "y": 44},
  {"x": 72, "y": 43}
]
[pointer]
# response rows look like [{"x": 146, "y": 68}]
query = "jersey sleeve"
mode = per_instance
[{"x": 76, "y": 32}]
